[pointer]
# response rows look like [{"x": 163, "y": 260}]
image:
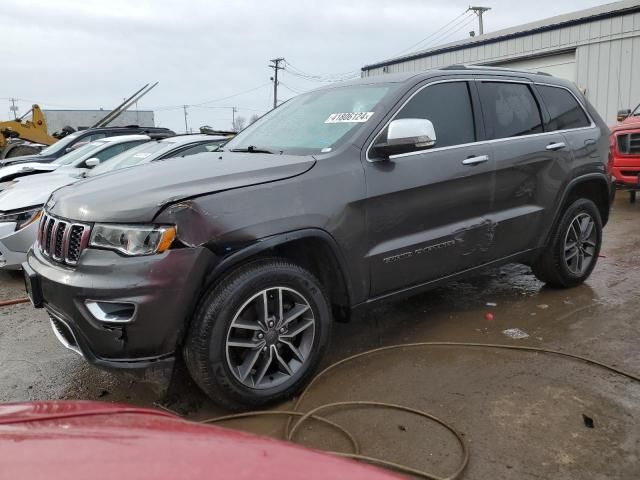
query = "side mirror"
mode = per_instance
[
  {"x": 92, "y": 162},
  {"x": 405, "y": 135},
  {"x": 622, "y": 114}
]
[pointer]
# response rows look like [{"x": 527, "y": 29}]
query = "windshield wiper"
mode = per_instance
[{"x": 251, "y": 149}]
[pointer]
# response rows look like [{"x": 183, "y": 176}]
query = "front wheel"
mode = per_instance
[
  {"x": 574, "y": 247},
  {"x": 258, "y": 336}
]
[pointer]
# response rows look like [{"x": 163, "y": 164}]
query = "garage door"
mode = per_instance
[{"x": 562, "y": 65}]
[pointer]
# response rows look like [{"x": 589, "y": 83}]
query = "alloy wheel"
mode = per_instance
[
  {"x": 580, "y": 244},
  {"x": 270, "y": 338}
]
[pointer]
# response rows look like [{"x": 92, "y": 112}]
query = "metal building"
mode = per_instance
[
  {"x": 81, "y": 119},
  {"x": 597, "y": 48}
]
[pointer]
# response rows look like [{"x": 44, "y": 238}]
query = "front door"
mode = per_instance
[{"x": 426, "y": 210}]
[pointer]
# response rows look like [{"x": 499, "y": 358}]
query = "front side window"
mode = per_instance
[
  {"x": 448, "y": 107},
  {"x": 314, "y": 122},
  {"x": 564, "y": 110},
  {"x": 509, "y": 110}
]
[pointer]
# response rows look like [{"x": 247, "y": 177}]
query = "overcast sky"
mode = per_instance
[{"x": 91, "y": 53}]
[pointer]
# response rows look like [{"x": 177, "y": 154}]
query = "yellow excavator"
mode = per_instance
[
  {"x": 25, "y": 137},
  {"x": 34, "y": 131}
]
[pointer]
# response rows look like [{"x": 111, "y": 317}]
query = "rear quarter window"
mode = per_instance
[{"x": 564, "y": 110}]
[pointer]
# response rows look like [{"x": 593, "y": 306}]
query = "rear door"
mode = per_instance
[
  {"x": 426, "y": 209},
  {"x": 530, "y": 164}
]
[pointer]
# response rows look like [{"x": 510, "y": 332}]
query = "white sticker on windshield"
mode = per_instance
[
  {"x": 350, "y": 117},
  {"x": 141, "y": 155}
]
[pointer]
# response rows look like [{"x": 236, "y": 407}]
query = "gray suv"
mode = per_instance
[{"x": 240, "y": 260}]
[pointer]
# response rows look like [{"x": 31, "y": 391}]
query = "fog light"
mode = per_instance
[{"x": 111, "y": 312}]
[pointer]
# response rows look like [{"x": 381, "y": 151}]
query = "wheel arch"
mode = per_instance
[
  {"x": 313, "y": 249},
  {"x": 595, "y": 187}
]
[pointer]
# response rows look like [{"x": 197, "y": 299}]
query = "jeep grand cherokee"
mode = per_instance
[{"x": 340, "y": 198}]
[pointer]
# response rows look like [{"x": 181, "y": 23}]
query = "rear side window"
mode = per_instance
[
  {"x": 448, "y": 107},
  {"x": 509, "y": 110},
  {"x": 564, "y": 110}
]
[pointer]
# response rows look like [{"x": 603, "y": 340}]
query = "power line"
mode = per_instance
[
  {"x": 461, "y": 23},
  {"x": 431, "y": 35},
  {"x": 332, "y": 77},
  {"x": 441, "y": 39},
  {"x": 200, "y": 104}
]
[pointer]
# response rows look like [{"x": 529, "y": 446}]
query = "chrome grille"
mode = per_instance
[
  {"x": 61, "y": 240},
  {"x": 629, "y": 143}
]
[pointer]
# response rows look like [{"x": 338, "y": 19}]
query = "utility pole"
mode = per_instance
[
  {"x": 13, "y": 108},
  {"x": 186, "y": 126},
  {"x": 233, "y": 117},
  {"x": 479, "y": 11},
  {"x": 276, "y": 66}
]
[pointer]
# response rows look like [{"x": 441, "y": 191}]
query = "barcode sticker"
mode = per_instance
[{"x": 349, "y": 117}]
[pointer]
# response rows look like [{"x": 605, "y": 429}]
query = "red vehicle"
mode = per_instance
[
  {"x": 93, "y": 440},
  {"x": 625, "y": 151}
]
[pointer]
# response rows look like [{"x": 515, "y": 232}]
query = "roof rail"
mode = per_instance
[{"x": 491, "y": 68}]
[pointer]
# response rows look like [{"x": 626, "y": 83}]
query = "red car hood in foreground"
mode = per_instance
[{"x": 93, "y": 440}]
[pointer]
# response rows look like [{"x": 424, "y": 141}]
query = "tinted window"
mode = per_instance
[
  {"x": 448, "y": 107},
  {"x": 117, "y": 149},
  {"x": 564, "y": 110},
  {"x": 509, "y": 110}
]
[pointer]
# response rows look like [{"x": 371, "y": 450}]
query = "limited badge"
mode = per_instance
[{"x": 349, "y": 117}]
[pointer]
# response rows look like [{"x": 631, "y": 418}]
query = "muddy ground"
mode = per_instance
[{"x": 522, "y": 414}]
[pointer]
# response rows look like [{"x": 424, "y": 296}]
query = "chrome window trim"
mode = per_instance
[{"x": 481, "y": 142}]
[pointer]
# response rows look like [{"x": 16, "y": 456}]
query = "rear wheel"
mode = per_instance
[
  {"x": 572, "y": 252},
  {"x": 258, "y": 336},
  {"x": 22, "y": 150}
]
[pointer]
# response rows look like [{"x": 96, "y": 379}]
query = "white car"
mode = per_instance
[
  {"x": 21, "y": 202},
  {"x": 86, "y": 156}
]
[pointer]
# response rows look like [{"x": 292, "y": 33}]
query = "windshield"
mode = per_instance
[
  {"x": 314, "y": 122},
  {"x": 60, "y": 144},
  {"x": 135, "y": 156},
  {"x": 80, "y": 153}
]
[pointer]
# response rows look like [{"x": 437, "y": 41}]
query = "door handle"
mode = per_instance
[
  {"x": 476, "y": 160},
  {"x": 556, "y": 146}
]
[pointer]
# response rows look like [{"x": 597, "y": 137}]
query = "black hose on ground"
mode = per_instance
[{"x": 312, "y": 414}]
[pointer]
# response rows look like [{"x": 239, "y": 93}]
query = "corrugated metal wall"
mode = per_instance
[
  {"x": 80, "y": 119},
  {"x": 607, "y": 58}
]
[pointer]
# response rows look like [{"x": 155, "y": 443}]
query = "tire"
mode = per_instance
[
  {"x": 228, "y": 334},
  {"x": 558, "y": 264},
  {"x": 22, "y": 150}
]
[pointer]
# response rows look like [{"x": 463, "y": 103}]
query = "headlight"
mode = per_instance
[
  {"x": 23, "y": 218},
  {"x": 133, "y": 239}
]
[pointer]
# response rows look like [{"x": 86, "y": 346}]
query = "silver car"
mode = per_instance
[
  {"x": 21, "y": 202},
  {"x": 86, "y": 156}
]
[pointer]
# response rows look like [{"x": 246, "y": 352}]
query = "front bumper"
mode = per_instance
[
  {"x": 162, "y": 288},
  {"x": 14, "y": 245}
]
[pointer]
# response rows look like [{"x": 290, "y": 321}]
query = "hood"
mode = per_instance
[
  {"x": 25, "y": 158},
  {"x": 34, "y": 190},
  {"x": 80, "y": 440},
  {"x": 134, "y": 195},
  {"x": 628, "y": 124},
  {"x": 19, "y": 169}
]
